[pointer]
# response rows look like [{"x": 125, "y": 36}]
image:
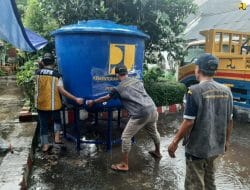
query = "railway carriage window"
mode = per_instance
[
  {"x": 218, "y": 37},
  {"x": 217, "y": 41},
  {"x": 193, "y": 52},
  {"x": 225, "y": 43},
  {"x": 245, "y": 48},
  {"x": 233, "y": 49},
  {"x": 235, "y": 43},
  {"x": 225, "y": 48}
]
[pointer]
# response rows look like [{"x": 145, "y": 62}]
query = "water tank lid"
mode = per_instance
[{"x": 100, "y": 26}]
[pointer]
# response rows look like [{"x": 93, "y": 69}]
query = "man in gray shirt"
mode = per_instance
[
  {"x": 206, "y": 127},
  {"x": 142, "y": 111}
]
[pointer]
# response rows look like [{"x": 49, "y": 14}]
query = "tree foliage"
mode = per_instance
[
  {"x": 37, "y": 20},
  {"x": 162, "y": 20},
  {"x": 21, "y": 5},
  {"x": 70, "y": 11},
  {"x": 33, "y": 17}
]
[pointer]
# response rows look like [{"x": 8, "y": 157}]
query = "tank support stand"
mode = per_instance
[{"x": 76, "y": 136}]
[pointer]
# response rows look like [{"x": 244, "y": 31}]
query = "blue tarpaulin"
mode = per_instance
[{"x": 13, "y": 31}]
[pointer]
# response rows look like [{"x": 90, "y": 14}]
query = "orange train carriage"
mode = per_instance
[{"x": 233, "y": 50}]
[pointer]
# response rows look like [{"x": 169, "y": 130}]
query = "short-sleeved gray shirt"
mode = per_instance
[{"x": 135, "y": 98}]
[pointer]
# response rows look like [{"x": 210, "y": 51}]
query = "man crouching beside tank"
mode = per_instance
[
  {"x": 142, "y": 111},
  {"x": 49, "y": 86}
]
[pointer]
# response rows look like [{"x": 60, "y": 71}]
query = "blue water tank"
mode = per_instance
[{"x": 88, "y": 52}]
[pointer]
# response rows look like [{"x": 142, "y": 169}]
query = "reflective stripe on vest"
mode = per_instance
[{"x": 47, "y": 95}]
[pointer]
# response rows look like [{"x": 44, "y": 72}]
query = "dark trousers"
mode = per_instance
[
  {"x": 200, "y": 174},
  {"x": 47, "y": 118}
]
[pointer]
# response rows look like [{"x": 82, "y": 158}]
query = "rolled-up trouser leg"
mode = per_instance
[
  {"x": 57, "y": 121},
  {"x": 57, "y": 127},
  {"x": 151, "y": 128},
  {"x": 132, "y": 127}
]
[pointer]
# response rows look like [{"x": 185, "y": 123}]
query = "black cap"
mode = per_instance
[
  {"x": 121, "y": 70},
  {"x": 48, "y": 59},
  {"x": 207, "y": 63}
]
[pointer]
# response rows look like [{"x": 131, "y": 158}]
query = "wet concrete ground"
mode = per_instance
[
  {"x": 14, "y": 166},
  {"x": 11, "y": 100},
  {"x": 90, "y": 169}
]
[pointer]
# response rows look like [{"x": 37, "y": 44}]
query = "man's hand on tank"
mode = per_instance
[
  {"x": 79, "y": 101},
  {"x": 90, "y": 103}
]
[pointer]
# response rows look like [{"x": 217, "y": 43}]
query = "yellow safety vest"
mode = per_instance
[{"x": 47, "y": 96}]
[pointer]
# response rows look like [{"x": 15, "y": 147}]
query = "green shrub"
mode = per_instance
[
  {"x": 151, "y": 75},
  {"x": 166, "y": 92},
  {"x": 2, "y": 73},
  {"x": 25, "y": 79},
  {"x": 157, "y": 74},
  {"x": 167, "y": 77},
  {"x": 162, "y": 87}
]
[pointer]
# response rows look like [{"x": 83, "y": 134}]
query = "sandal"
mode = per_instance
[{"x": 120, "y": 167}]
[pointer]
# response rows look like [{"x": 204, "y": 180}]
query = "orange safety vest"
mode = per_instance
[{"x": 47, "y": 96}]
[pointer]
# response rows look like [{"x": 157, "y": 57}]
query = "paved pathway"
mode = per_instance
[{"x": 14, "y": 167}]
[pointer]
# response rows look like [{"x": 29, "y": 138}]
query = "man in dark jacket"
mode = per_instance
[{"x": 206, "y": 126}]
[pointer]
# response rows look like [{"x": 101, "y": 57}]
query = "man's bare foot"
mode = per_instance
[
  {"x": 46, "y": 148},
  {"x": 120, "y": 167},
  {"x": 58, "y": 138}
]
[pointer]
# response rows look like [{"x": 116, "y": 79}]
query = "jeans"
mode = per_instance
[{"x": 44, "y": 120}]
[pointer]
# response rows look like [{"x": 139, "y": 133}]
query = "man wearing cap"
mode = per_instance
[
  {"x": 48, "y": 102},
  {"x": 142, "y": 113},
  {"x": 206, "y": 127}
]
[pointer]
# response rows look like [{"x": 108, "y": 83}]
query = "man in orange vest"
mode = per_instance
[{"x": 49, "y": 87}]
